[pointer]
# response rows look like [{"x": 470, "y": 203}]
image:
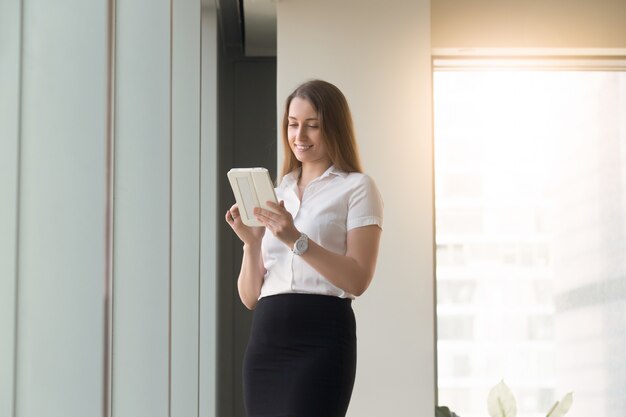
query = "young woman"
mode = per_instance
[{"x": 316, "y": 253}]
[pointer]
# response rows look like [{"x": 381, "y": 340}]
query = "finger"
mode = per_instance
[
  {"x": 272, "y": 221},
  {"x": 279, "y": 208},
  {"x": 276, "y": 212},
  {"x": 264, "y": 221},
  {"x": 263, "y": 216},
  {"x": 272, "y": 224},
  {"x": 258, "y": 211},
  {"x": 231, "y": 217},
  {"x": 275, "y": 206}
]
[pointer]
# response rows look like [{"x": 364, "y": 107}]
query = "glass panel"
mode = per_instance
[{"x": 530, "y": 183}]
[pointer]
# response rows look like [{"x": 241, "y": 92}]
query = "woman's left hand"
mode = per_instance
[{"x": 278, "y": 221}]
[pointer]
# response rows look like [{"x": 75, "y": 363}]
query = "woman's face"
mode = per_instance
[{"x": 304, "y": 133}]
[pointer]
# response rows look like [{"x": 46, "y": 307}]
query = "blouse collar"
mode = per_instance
[{"x": 292, "y": 178}]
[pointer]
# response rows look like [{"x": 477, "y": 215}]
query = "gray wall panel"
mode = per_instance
[
  {"x": 140, "y": 373},
  {"x": 10, "y": 22},
  {"x": 54, "y": 202},
  {"x": 209, "y": 217},
  {"x": 61, "y": 219},
  {"x": 185, "y": 207}
]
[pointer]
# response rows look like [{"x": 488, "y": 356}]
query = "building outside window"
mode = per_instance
[{"x": 530, "y": 196}]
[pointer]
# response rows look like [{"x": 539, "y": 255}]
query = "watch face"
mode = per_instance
[{"x": 301, "y": 245}]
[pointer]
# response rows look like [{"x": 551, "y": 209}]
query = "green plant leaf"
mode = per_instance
[
  {"x": 562, "y": 407},
  {"x": 501, "y": 402},
  {"x": 441, "y": 411}
]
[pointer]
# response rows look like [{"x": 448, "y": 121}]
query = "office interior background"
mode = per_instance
[{"x": 503, "y": 252}]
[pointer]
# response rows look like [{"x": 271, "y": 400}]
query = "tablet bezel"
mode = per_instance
[{"x": 263, "y": 189}]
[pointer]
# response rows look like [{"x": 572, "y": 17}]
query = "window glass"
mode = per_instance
[{"x": 530, "y": 200}]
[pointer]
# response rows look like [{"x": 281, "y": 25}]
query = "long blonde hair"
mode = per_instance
[{"x": 335, "y": 124}]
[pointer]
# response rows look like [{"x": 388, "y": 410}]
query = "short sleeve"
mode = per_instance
[{"x": 365, "y": 205}]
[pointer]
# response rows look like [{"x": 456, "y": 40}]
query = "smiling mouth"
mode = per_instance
[{"x": 303, "y": 147}]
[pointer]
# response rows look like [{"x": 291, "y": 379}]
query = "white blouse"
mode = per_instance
[{"x": 331, "y": 205}]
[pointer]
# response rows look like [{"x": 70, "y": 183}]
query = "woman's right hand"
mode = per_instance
[{"x": 250, "y": 236}]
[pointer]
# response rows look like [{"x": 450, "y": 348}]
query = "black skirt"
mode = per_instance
[{"x": 301, "y": 357}]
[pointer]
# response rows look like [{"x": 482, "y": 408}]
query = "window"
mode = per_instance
[{"x": 530, "y": 201}]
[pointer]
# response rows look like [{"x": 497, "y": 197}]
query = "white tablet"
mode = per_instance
[{"x": 252, "y": 188}]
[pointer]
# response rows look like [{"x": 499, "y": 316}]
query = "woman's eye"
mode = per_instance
[
  {"x": 313, "y": 126},
  {"x": 292, "y": 125}
]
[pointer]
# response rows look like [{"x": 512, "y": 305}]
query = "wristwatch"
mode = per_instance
[{"x": 301, "y": 245}]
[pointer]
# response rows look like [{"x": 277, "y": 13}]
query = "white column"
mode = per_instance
[
  {"x": 142, "y": 223},
  {"x": 378, "y": 54},
  {"x": 10, "y": 27},
  {"x": 185, "y": 207},
  {"x": 61, "y": 209},
  {"x": 209, "y": 215}
]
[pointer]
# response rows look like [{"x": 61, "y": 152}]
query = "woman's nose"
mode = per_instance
[{"x": 300, "y": 132}]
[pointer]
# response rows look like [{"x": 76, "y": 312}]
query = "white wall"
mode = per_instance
[
  {"x": 378, "y": 53},
  {"x": 529, "y": 24},
  {"x": 54, "y": 124}
]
